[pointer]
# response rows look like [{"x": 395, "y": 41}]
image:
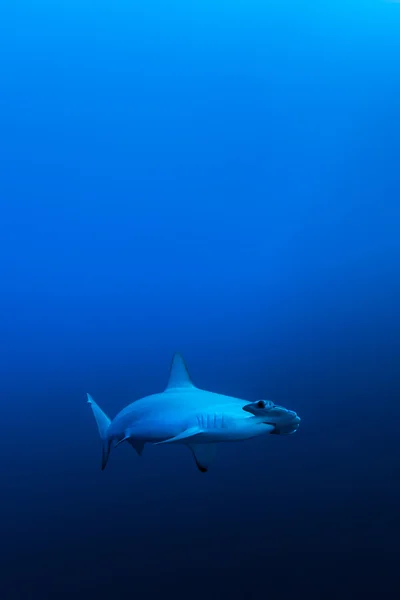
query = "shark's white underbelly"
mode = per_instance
[
  {"x": 228, "y": 427},
  {"x": 223, "y": 425}
]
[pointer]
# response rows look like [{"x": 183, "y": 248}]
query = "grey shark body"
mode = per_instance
[{"x": 184, "y": 414}]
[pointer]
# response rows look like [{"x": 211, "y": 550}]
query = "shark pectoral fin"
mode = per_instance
[
  {"x": 182, "y": 437},
  {"x": 204, "y": 455},
  {"x": 137, "y": 445}
]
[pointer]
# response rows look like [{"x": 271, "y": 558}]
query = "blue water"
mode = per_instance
[{"x": 220, "y": 179}]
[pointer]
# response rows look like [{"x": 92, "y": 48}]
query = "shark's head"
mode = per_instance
[{"x": 285, "y": 421}]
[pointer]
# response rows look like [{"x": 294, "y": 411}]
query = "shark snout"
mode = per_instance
[
  {"x": 284, "y": 421},
  {"x": 288, "y": 423},
  {"x": 292, "y": 417}
]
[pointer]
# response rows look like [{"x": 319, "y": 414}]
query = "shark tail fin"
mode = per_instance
[{"x": 103, "y": 423}]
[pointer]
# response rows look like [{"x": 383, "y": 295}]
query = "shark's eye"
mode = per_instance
[{"x": 261, "y": 404}]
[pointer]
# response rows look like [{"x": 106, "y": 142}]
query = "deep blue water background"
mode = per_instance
[{"x": 222, "y": 179}]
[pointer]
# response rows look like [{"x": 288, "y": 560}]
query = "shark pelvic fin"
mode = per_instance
[
  {"x": 183, "y": 437},
  {"x": 179, "y": 375},
  {"x": 204, "y": 455},
  {"x": 137, "y": 445}
]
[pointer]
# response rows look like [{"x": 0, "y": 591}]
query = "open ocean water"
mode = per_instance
[{"x": 220, "y": 179}]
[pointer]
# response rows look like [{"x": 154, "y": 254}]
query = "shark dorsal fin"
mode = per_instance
[{"x": 179, "y": 375}]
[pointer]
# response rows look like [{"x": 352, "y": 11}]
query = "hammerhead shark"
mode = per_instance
[{"x": 185, "y": 414}]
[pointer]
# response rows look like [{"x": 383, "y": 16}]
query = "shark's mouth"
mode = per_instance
[{"x": 284, "y": 429}]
